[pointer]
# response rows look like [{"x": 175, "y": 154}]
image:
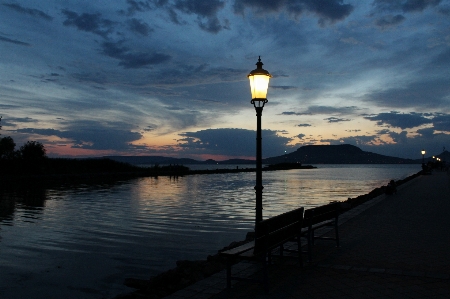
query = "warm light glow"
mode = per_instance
[
  {"x": 259, "y": 85},
  {"x": 423, "y": 152}
]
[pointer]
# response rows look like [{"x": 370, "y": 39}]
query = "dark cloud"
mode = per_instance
[
  {"x": 401, "y": 137},
  {"x": 92, "y": 77},
  {"x": 13, "y": 41},
  {"x": 442, "y": 123},
  {"x": 187, "y": 74},
  {"x": 418, "y": 5},
  {"x": 445, "y": 11},
  {"x": 389, "y": 21},
  {"x": 300, "y": 136},
  {"x": 336, "y": 119},
  {"x": 136, "y": 6},
  {"x": 14, "y": 121},
  {"x": 314, "y": 110},
  {"x": 232, "y": 142},
  {"x": 418, "y": 94},
  {"x": 353, "y": 140},
  {"x": 89, "y": 22},
  {"x": 92, "y": 135},
  {"x": 211, "y": 25},
  {"x": 29, "y": 11},
  {"x": 202, "y": 8},
  {"x": 132, "y": 59},
  {"x": 399, "y": 120},
  {"x": 206, "y": 12},
  {"x": 383, "y": 131},
  {"x": 327, "y": 10},
  {"x": 427, "y": 132},
  {"x": 139, "y": 27},
  {"x": 404, "y": 5},
  {"x": 304, "y": 125},
  {"x": 283, "y": 87}
]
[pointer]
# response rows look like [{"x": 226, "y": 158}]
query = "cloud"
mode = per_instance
[
  {"x": 232, "y": 142},
  {"x": 300, "y": 136},
  {"x": 418, "y": 5},
  {"x": 399, "y": 120},
  {"x": 13, "y": 41},
  {"x": 202, "y": 8},
  {"x": 442, "y": 122},
  {"x": 427, "y": 132},
  {"x": 404, "y": 5},
  {"x": 136, "y": 6},
  {"x": 92, "y": 135},
  {"x": 89, "y": 22},
  {"x": 205, "y": 10},
  {"x": 132, "y": 59},
  {"x": 283, "y": 87},
  {"x": 188, "y": 74},
  {"x": 353, "y": 140},
  {"x": 401, "y": 137},
  {"x": 314, "y": 110},
  {"x": 304, "y": 125},
  {"x": 418, "y": 94},
  {"x": 139, "y": 27},
  {"x": 29, "y": 11},
  {"x": 389, "y": 21},
  {"x": 327, "y": 10},
  {"x": 336, "y": 120}
]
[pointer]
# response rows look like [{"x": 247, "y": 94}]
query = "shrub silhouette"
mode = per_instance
[
  {"x": 32, "y": 151},
  {"x": 7, "y": 146}
]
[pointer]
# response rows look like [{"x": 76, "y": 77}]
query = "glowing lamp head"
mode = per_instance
[
  {"x": 259, "y": 83},
  {"x": 423, "y": 152}
]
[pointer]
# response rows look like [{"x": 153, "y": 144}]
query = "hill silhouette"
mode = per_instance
[
  {"x": 309, "y": 154},
  {"x": 336, "y": 154}
]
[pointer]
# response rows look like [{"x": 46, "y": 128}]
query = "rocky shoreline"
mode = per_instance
[{"x": 189, "y": 272}]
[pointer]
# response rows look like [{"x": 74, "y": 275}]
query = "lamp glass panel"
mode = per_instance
[{"x": 259, "y": 85}]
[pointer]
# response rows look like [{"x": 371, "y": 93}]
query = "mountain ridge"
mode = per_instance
[{"x": 308, "y": 154}]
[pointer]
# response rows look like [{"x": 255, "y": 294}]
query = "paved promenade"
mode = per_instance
[{"x": 394, "y": 246}]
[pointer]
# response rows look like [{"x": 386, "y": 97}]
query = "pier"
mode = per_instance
[{"x": 393, "y": 246}]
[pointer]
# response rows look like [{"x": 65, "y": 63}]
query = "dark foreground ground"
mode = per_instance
[{"x": 394, "y": 246}]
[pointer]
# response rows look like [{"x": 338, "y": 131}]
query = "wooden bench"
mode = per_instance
[
  {"x": 318, "y": 217},
  {"x": 270, "y": 234}
]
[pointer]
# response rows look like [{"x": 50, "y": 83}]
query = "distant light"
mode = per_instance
[{"x": 423, "y": 152}]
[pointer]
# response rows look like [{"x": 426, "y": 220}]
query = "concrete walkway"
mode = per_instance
[{"x": 394, "y": 246}]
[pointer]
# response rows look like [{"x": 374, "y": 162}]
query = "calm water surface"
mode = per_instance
[{"x": 83, "y": 242}]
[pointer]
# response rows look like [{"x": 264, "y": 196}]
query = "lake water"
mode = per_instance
[{"x": 83, "y": 242}]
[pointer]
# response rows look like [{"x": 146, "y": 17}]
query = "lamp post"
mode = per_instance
[
  {"x": 259, "y": 83},
  {"x": 423, "y": 156}
]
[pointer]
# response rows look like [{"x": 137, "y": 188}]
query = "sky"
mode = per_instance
[{"x": 169, "y": 77}]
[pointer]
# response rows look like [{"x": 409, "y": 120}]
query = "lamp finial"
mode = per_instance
[{"x": 259, "y": 64}]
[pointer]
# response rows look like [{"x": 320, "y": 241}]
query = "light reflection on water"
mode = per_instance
[{"x": 83, "y": 242}]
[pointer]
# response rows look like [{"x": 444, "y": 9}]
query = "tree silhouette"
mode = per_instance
[
  {"x": 7, "y": 146},
  {"x": 32, "y": 151}
]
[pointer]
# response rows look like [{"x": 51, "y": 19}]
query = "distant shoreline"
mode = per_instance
[{"x": 98, "y": 177}]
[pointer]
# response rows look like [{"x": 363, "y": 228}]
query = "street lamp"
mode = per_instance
[
  {"x": 423, "y": 156},
  {"x": 259, "y": 83}
]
